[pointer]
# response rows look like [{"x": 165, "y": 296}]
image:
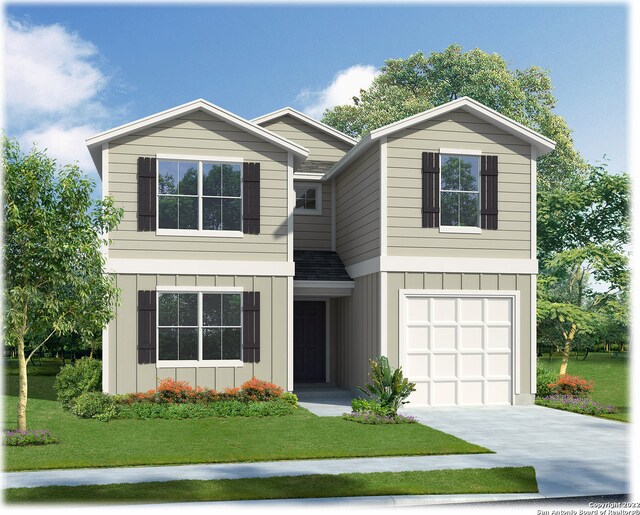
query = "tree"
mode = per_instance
[{"x": 54, "y": 265}]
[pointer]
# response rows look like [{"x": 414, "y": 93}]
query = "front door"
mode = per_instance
[{"x": 309, "y": 340}]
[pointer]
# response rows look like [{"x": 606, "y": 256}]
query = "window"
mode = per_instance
[
  {"x": 459, "y": 191},
  {"x": 199, "y": 195},
  {"x": 308, "y": 199},
  {"x": 199, "y": 326}
]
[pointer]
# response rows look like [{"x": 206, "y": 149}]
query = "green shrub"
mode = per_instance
[
  {"x": 96, "y": 405},
  {"x": 75, "y": 379},
  {"x": 28, "y": 437},
  {"x": 290, "y": 398},
  {"x": 233, "y": 408},
  {"x": 389, "y": 387},
  {"x": 368, "y": 417},
  {"x": 370, "y": 406},
  {"x": 544, "y": 378}
]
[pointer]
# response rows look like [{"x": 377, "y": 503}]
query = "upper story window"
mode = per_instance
[
  {"x": 199, "y": 195},
  {"x": 459, "y": 191},
  {"x": 308, "y": 199}
]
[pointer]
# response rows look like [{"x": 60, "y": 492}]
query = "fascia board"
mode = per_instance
[{"x": 306, "y": 119}]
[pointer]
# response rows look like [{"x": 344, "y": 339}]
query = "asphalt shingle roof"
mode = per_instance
[{"x": 319, "y": 265}]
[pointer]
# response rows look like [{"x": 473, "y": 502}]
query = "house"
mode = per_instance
[{"x": 283, "y": 249}]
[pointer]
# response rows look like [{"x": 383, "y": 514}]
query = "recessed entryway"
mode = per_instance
[{"x": 309, "y": 341}]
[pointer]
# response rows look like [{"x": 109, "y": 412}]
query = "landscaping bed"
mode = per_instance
[
  {"x": 462, "y": 481},
  {"x": 128, "y": 442}
]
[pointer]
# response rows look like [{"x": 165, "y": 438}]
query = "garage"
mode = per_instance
[{"x": 458, "y": 346}]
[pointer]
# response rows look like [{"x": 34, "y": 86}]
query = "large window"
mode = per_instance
[
  {"x": 459, "y": 191},
  {"x": 199, "y": 195},
  {"x": 199, "y": 326}
]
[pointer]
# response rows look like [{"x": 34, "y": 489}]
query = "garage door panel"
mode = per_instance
[
  {"x": 471, "y": 393},
  {"x": 458, "y": 349}
]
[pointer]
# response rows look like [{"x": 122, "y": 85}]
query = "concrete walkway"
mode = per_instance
[{"x": 573, "y": 454}]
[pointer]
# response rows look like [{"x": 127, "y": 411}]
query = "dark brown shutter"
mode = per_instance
[
  {"x": 430, "y": 189},
  {"x": 251, "y": 326},
  {"x": 251, "y": 198},
  {"x": 489, "y": 192},
  {"x": 146, "y": 194},
  {"x": 146, "y": 327}
]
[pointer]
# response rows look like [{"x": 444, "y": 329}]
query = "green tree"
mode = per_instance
[{"x": 54, "y": 265}]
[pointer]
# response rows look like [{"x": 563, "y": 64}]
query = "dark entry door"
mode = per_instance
[{"x": 309, "y": 341}]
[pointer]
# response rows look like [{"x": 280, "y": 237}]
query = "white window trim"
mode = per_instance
[
  {"x": 313, "y": 212},
  {"x": 200, "y": 232},
  {"x": 200, "y": 363},
  {"x": 457, "y": 228}
]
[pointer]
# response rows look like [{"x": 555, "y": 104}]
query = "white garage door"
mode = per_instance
[{"x": 458, "y": 348}]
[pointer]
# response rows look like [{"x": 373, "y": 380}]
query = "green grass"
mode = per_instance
[
  {"x": 610, "y": 376},
  {"x": 38, "y": 367},
  {"x": 467, "y": 481},
  {"x": 90, "y": 443}
]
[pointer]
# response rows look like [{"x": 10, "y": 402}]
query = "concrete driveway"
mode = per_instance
[{"x": 572, "y": 454}]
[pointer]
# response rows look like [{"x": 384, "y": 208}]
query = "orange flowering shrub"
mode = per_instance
[
  {"x": 259, "y": 390},
  {"x": 571, "y": 385}
]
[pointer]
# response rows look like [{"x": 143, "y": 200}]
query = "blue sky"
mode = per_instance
[{"x": 123, "y": 63}]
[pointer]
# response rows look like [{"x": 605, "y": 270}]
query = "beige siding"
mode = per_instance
[
  {"x": 321, "y": 146},
  {"x": 358, "y": 209},
  {"x": 313, "y": 232},
  {"x": 199, "y": 134},
  {"x": 126, "y": 375},
  {"x": 355, "y": 332},
  {"x": 458, "y": 130},
  {"x": 438, "y": 281}
]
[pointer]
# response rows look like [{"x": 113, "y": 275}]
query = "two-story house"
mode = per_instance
[{"x": 283, "y": 249}]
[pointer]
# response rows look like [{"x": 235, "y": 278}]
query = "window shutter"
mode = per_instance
[
  {"x": 430, "y": 189},
  {"x": 251, "y": 327},
  {"x": 146, "y": 327},
  {"x": 251, "y": 198},
  {"x": 146, "y": 194},
  {"x": 489, "y": 192}
]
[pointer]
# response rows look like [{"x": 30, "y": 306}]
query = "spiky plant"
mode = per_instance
[{"x": 388, "y": 386}]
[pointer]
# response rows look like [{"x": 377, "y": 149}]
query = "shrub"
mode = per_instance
[
  {"x": 571, "y": 385},
  {"x": 96, "y": 405},
  {"x": 228, "y": 408},
  {"x": 290, "y": 398},
  {"x": 75, "y": 379},
  {"x": 544, "y": 378},
  {"x": 368, "y": 417},
  {"x": 258, "y": 390},
  {"x": 28, "y": 437},
  {"x": 388, "y": 387},
  {"x": 576, "y": 404},
  {"x": 169, "y": 390},
  {"x": 371, "y": 406}
]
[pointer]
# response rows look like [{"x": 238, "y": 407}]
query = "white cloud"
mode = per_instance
[
  {"x": 53, "y": 84},
  {"x": 64, "y": 144},
  {"x": 345, "y": 85},
  {"x": 49, "y": 70}
]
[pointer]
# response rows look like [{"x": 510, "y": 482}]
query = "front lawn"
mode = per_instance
[
  {"x": 610, "y": 375},
  {"x": 432, "y": 482},
  {"x": 91, "y": 443}
]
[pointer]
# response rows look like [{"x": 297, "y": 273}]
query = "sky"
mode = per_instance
[{"x": 72, "y": 71}]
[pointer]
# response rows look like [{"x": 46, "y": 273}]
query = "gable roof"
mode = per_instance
[
  {"x": 290, "y": 111},
  {"x": 541, "y": 143},
  {"x": 94, "y": 143}
]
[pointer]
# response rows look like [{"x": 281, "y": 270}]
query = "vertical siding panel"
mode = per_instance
[
  {"x": 433, "y": 281},
  {"x": 166, "y": 280},
  {"x": 187, "y": 374},
  {"x": 278, "y": 330},
  {"x": 207, "y": 377},
  {"x": 507, "y": 282},
  {"x": 186, "y": 280},
  {"x": 395, "y": 282},
  {"x": 489, "y": 281},
  {"x": 414, "y": 281},
  {"x": 225, "y": 280},
  {"x": 225, "y": 377},
  {"x": 205, "y": 280},
  {"x": 126, "y": 334},
  {"x": 524, "y": 287},
  {"x": 470, "y": 281},
  {"x": 452, "y": 281}
]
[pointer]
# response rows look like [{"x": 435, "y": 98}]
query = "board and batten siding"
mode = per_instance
[
  {"x": 199, "y": 134},
  {"x": 321, "y": 146},
  {"x": 354, "y": 333},
  {"x": 313, "y": 232},
  {"x": 358, "y": 208},
  {"x": 458, "y": 130},
  {"x": 477, "y": 282},
  {"x": 126, "y": 375}
]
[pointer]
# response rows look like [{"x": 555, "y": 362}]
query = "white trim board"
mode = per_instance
[
  {"x": 200, "y": 267},
  {"x": 442, "y": 265},
  {"x": 94, "y": 143},
  {"x": 290, "y": 111},
  {"x": 537, "y": 141}
]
